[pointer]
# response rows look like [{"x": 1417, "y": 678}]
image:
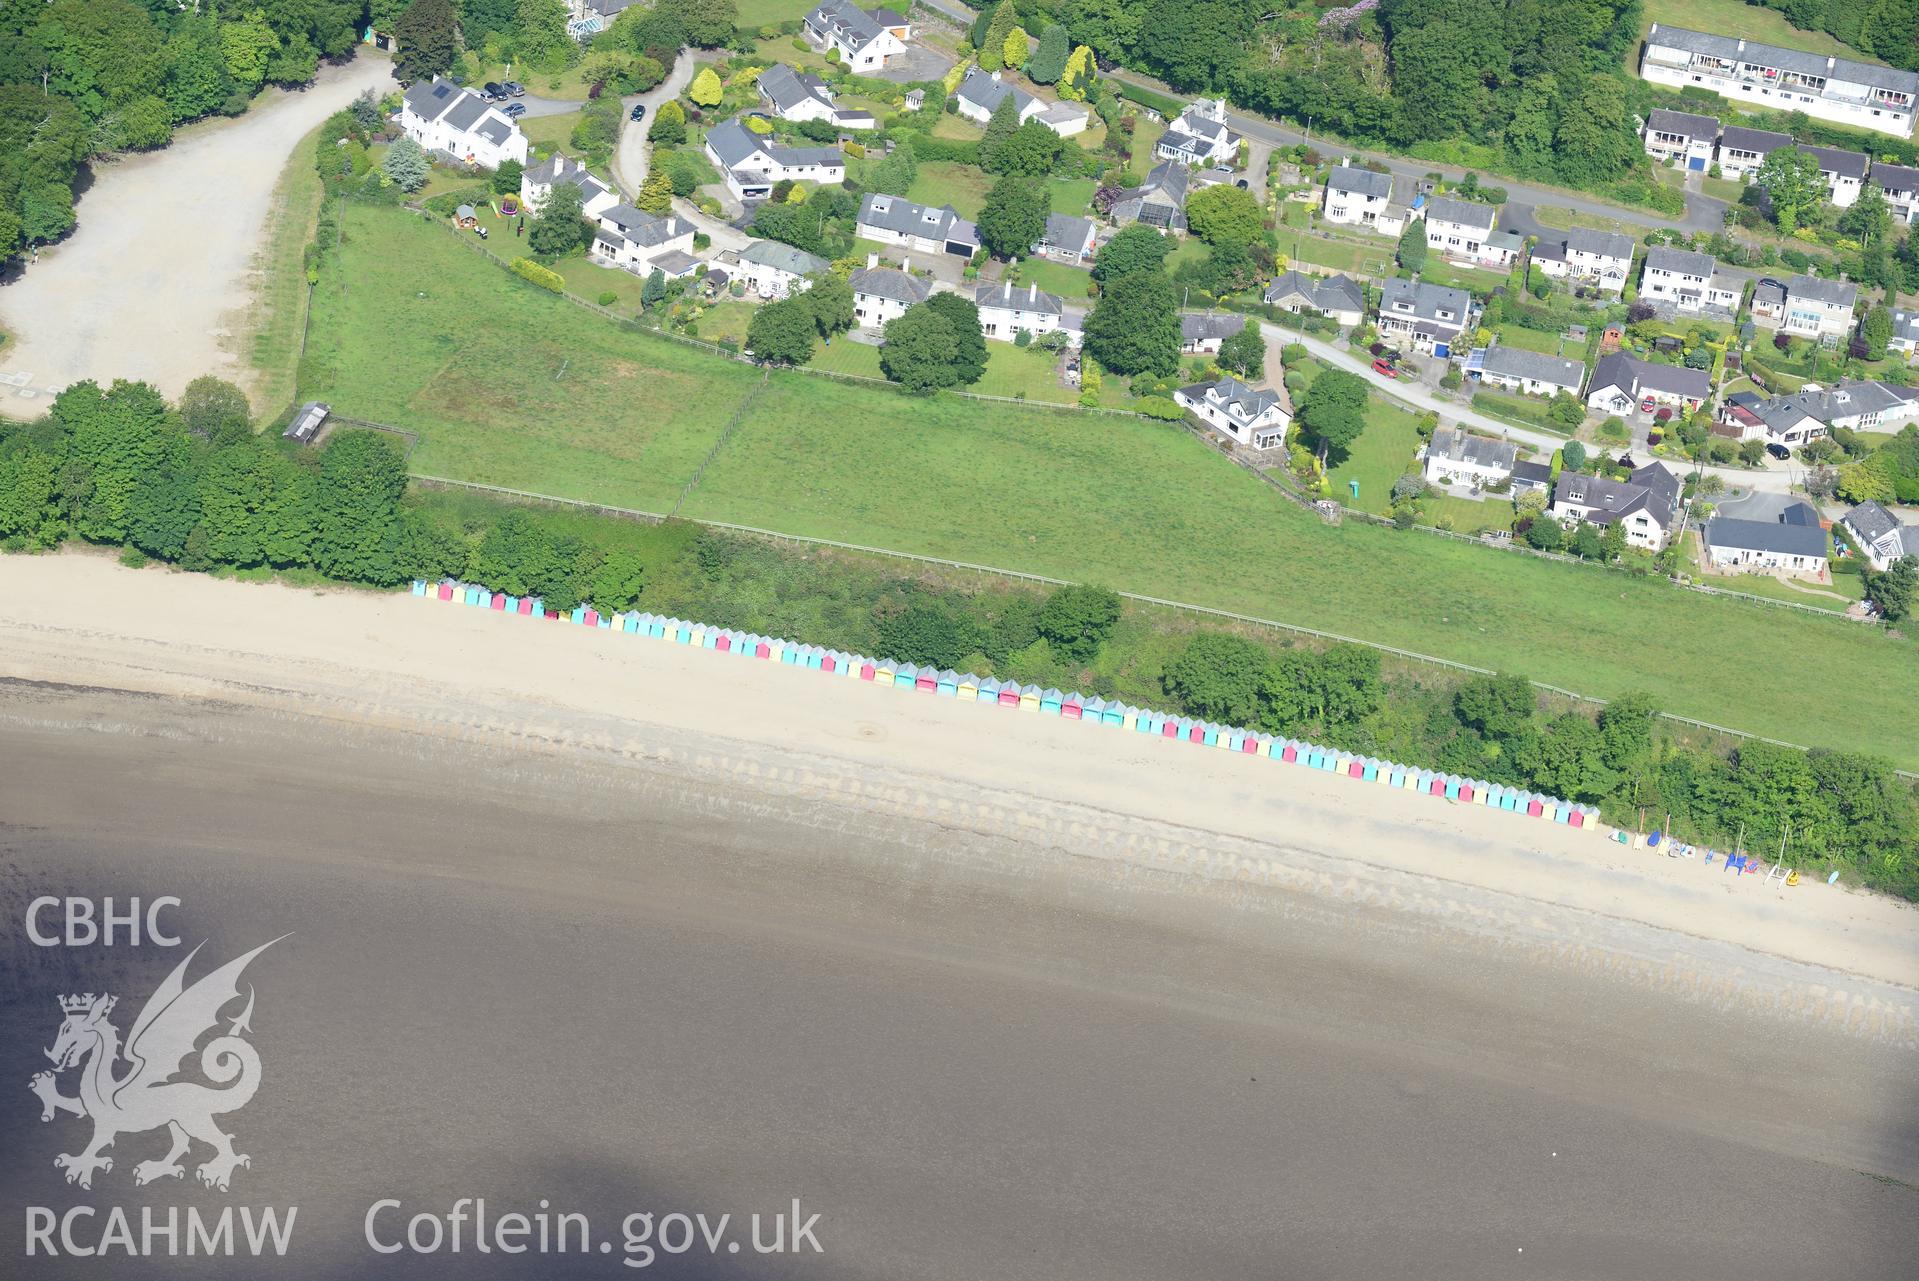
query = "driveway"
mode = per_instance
[
  {"x": 919, "y": 62},
  {"x": 155, "y": 283},
  {"x": 634, "y": 153}
]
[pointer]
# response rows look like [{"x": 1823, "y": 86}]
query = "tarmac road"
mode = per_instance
[{"x": 519, "y": 972}]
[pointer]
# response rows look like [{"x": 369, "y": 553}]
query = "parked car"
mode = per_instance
[
  {"x": 1646, "y": 405},
  {"x": 492, "y": 89},
  {"x": 514, "y": 109},
  {"x": 1386, "y": 368},
  {"x": 639, "y": 110},
  {"x": 514, "y": 89},
  {"x": 1778, "y": 451}
]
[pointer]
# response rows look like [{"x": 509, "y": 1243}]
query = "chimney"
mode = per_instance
[
  {"x": 872, "y": 260},
  {"x": 1742, "y": 44},
  {"x": 1032, "y": 291},
  {"x": 906, "y": 265}
]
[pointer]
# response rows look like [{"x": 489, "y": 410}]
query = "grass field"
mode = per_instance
[
  {"x": 278, "y": 308},
  {"x": 765, "y": 13},
  {"x": 947, "y": 182},
  {"x": 1737, "y": 18},
  {"x": 507, "y": 384},
  {"x": 1341, "y": 255}
]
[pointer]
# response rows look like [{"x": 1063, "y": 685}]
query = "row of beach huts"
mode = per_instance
[{"x": 1031, "y": 698}]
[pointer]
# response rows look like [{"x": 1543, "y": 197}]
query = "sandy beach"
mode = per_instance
[{"x": 636, "y": 926}]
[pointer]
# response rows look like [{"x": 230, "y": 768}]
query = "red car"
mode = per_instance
[
  {"x": 1646, "y": 405},
  {"x": 1381, "y": 367}
]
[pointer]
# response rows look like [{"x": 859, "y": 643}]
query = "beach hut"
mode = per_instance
[
  {"x": 1176, "y": 728},
  {"x": 885, "y": 671},
  {"x": 905, "y": 675},
  {"x": 446, "y": 591},
  {"x": 1578, "y": 817},
  {"x": 967, "y": 690},
  {"x": 579, "y": 614},
  {"x": 497, "y": 601},
  {"x": 815, "y": 658},
  {"x": 1508, "y": 799},
  {"x": 1029, "y": 698},
  {"x": 1356, "y": 767},
  {"x": 1562, "y": 812},
  {"x": 419, "y": 587},
  {"x": 1117, "y": 713},
  {"x": 762, "y": 647},
  {"x": 831, "y": 662},
  {"x": 1073, "y": 706},
  {"x": 682, "y": 632},
  {"x": 724, "y": 642},
  {"x": 1050, "y": 700},
  {"x": 1008, "y": 695},
  {"x": 989, "y": 691},
  {"x": 938, "y": 682},
  {"x": 1449, "y": 787},
  {"x": 1232, "y": 739},
  {"x": 1480, "y": 789},
  {"x": 525, "y": 606},
  {"x": 1314, "y": 756},
  {"x": 656, "y": 627},
  {"x": 590, "y": 617},
  {"x": 508, "y": 604},
  {"x": 1534, "y": 806}
]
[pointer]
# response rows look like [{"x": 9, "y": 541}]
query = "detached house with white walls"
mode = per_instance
[
  {"x": 1364, "y": 198},
  {"x": 1900, "y": 183},
  {"x": 1844, "y": 173},
  {"x": 1423, "y": 317},
  {"x": 753, "y": 163},
  {"x": 537, "y": 183},
  {"x": 881, "y": 293},
  {"x": 1338, "y": 298},
  {"x": 895, "y": 220},
  {"x": 1880, "y": 534},
  {"x": 799, "y": 96},
  {"x": 1458, "y": 228},
  {"x": 1455, "y": 458},
  {"x": 1007, "y": 310},
  {"x": 1068, "y": 239},
  {"x": 1905, "y": 332},
  {"x": 1645, "y": 506},
  {"x": 1199, "y": 136},
  {"x": 1251, "y": 416},
  {"x": 641, "y": 242},
  {"x": 1751, "y": 74},
  {"x": 1532, "y": 373},
  {"x": 1681, "y": 138},
  {"x": 1601, "y": 259},
  {"x": 1690, "y": 282},
  {"x": 1809, "y": 306},
  {"x": 773, "y": 270},
  {"x": 864, "y": 38},
  {"x": 981, "y": 92},
  {"x": 457, "y": 125}
]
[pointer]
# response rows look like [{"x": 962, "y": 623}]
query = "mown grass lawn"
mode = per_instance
[
  {"x": 1737, "y": 18},
  {"x": 766, "y": 13},
  {"x": 1070, "y": 283},
  {"x": 1341, "y": 255},
  {"x": 510, "y": 385},
  {"x": 947, "y": 182},
  {"x": 1511, "y": 335}
]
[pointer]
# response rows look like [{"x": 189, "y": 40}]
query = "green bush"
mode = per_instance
[
  {"x": 608, "y": 298},
  {"x": 544, "y": 277},
  {"x": 1161, "y": 407}
]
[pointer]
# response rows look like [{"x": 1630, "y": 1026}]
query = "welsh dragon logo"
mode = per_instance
[{"x": 146, "y": 1097}]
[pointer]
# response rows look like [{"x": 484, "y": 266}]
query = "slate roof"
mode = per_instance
[
  {"x": 1427, "y": 301},
  {"x": 1364, "y": 181},
  {"x": 465, "y": 112},
  {"x": 1895, "y": 177},
  {"x": 1517, "y": 362},
  {"x": 1332, "y": 293},
  {"x": 985, "y": 91},
  {"x": 1608, "y": 244},
  {"x": 1766, "y": 55},
  {"x": 1835, "y": 293},
  {"x": 1012, "y": 297},
  {"x": 1766, "y": 536},
  {"x": 557, "y": 168},
  {"x": 739, "y": 147},
  {"x": 1463, "y": 212},
  {"x": 903, "y": 217},
  {"x": 781, "y": 257},
  {"x": 1067, "y": 231},
  {"x": 1652, "y": 489},
  {"x": 1762, "y": 142},
  {"x": 1531, "y": 473},
  {"x": 1682, "y": 262},
  {"x": 1847, "y": 164},
  {"x": 1480, "y": 451},
  {"x": 1683, "y": 123},
  {"x": 786, "y": 88},
  {"x": 890, "y": 282},
  {"x": 1633, "y": 376},
  {"x": 1209, "y": 326},
  {"x": 848, "y": 21},
  {"x": 642, "y": 228},
  {"x": 1239, "y": 400},
  {"x": 1871, "y": 521},
  {"x": 1160, "y": 201},
  {"x": 1905, "y": 324},
  {"x": 429, "y": 99}
]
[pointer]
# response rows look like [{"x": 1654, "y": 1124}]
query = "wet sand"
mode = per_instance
[{"x": 627, "y": 927}]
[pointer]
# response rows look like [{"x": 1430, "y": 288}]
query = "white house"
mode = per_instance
[
  {"x": 1602, "y": 259},
  {"x": 1531, "y": 372},
  {"x": 773, "y": 270},
  {"x": 1005, "y": 310},
  {"x": 1338, "y": 297},
  {"x": 1201, "y": 333},
  {"x": 1905, "y": 332},
  {"x": 753, "y": 163},
  {"x": 1761, "y": 75},
  {"x": 1691, "y": 282},
  {"x": 865, "y": 38},
  {"x": 1245, "y": 415},
  {"x": 1424, "y": 317},
  {"x": 1199, "y": 136},
  {"x": 980, "y": 93},
  {"x": 1458, "y": 228},
  {"x": 1643, "y": 506},
  {"x": 1681, "y": 138},
  {"x": 1900, "y": 183},
  {"x": 537, "y": 182},
  {"x": 881, "y": 293},
  {"x": 1621, "y": 383},
  {"x": 1809, "y": 307},
  {"x": 895, "y": 220},
  {"x": 639, "y": 241},
  {"x": 1363, "y": 198},
  {"x": 1068, "y": 239},
  {"x": 1880, "y": 535},
  {"x": 1457, "y": 459},
  {"x": 1812, "y": 412},
  {"x": 800, "y": 96},
  {"x": 1844, "y": 172},
  {"x": 1792, "y": 544},
  {"x": 444, "y": 118},
  {"x": 1741, "y": 150}
]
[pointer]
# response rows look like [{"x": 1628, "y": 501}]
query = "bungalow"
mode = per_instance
[
  {"x": 1854, "y": 405},
  {"x": 1245, "y": 415},
  {"x": 537, "y": 182},
  {"x": 1761, "y": 75},
  {"x": 1788, "y": 420},
  {"x": 1683, "y": 139},
  {"x": 1880, "y": 535},
  {"x": 1599, "y": 258},
  {"x": 895, "y": 220},
  {"x": 1457, "y": 459},
  {"x": 1339, "y": 298},
  {"x": 1068, "y": 239},
  {"x": 798, "y": 96},
  {"x": 1531, "y": 372},
  {"x": 1532, "y": 475},
  {"x": 1643, "y": 506},
  {"x": 636, "y": 240},
  {"x": 865, "y": 38},
  {"x": 1689, "y": 281},
  {"x": 881, "y": 293},
  {"x": 773, "y": 270},
  {"x": 1844, "y": 172},
  {"x": 1199, "y": 136},
  {"x": 1740, "y": 417},
  {"x": 1620, "y": 383},
  {"x": 1364, "y": 198},
  {"x": 981, "y": 92},
  {"x": 1458, "y": 228},
  {"x": 1905, "y": 332},
  {"x": 457, "y": 124},
  {"x": 1793, "y": 543},
  {"x": 1743, "y": 150},
  {"x": 752, "y": 163},
  {"x": 1808, "y": 306},
  {"x": 1202, "y": 333},
  {"x": 1427, "y": 318},
  {"x": 1160, "y": 201},
  {"x": 1900, "y": 183},
  {"x": 1006, "y": 310}
]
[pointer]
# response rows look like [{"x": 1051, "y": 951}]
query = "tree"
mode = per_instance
[
  {"x": 362, "y": 478},
  {"x": 782, "y": 333},
  {"x": 1077, "y": 620},
  {"x": 1565, "y": 409},
  {"x": 198, "y": 82},
  {"x": 1197, "y": 44},
  {"x": 992, "y": 48},
  {"x": 1868, "y": 481},
  {"x": 1876, "y": 330},
  {"x": 1223, "y": 214},
  {"x": 894, "y": 175},
  {"x": 927, "y": 631},
  {"x": 1868, "y": 219},
  {"x": 1082, "y": 74},
  {"x": 428, "y": 35},
  {"x": 1894, "y": 588},
  {"x": 1793, "y": 185},
  {"x": 1244, "y": 354},
  {"x": 1219, "y": 678},
  {"x": 543, "y": 42},
  {"x": 1032, "y": 150},
  {"x": 406, "y": 164},
  {"x": 247, "y": 46},
  {"x": 1572, "y": 455},
  {"x": 1586, "y": 543},
  {"x": 560, "y": 228},
  {"x": 1412, "y": 246},
  {"x": 617, "y": 581},
  {"x": 215, "y": 410},
  {"x": 669, "y": 124},
  {"x": 918, "y": 350},
  {"x": 1013, "y": 52},
  {"x": 1134, "y": 327},
  {"x": 656, "y": 193},
  {"x": 653, "y": 290},
  {"x": 830, "y": 299},
  {"x": 1135, "y": 248},
  {"x": 1048, "y": 63},
  {"x": 1000, "y": 127},
  {"x": 1333, "y": 412},
  {"x": 969, "y": 342},
  {"x": 1546, "y": 534},
  {"x": 1498, "y": 707},
  {"x": 706, "y": 89},
  {"x": 1013, "y": 219}
]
